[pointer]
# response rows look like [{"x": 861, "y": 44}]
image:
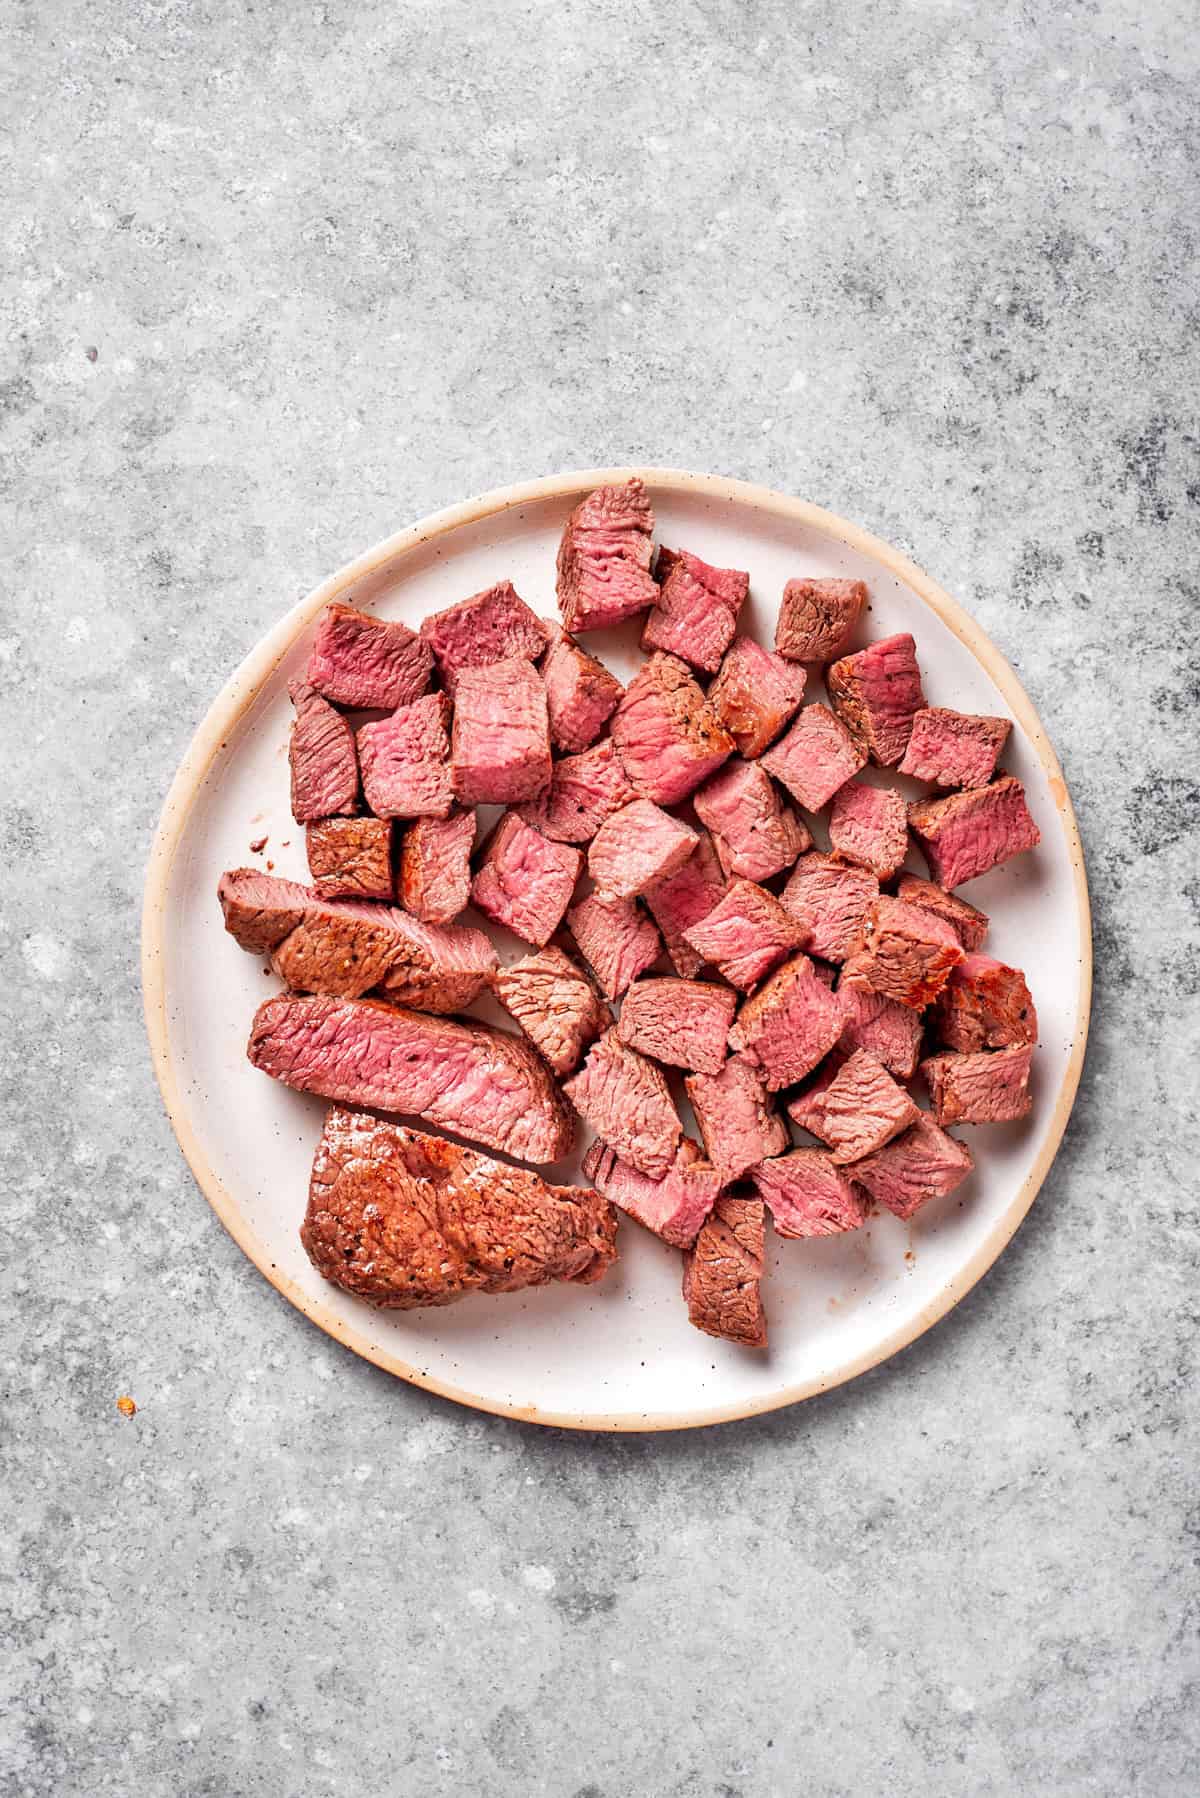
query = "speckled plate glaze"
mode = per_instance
[{"x": 620, "y": 1355}]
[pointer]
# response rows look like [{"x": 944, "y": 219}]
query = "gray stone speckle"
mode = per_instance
[{"x": 278, "y": 279}]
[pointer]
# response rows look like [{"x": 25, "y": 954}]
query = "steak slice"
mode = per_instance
[
  {"x": 667, "y": 735},
  {"x": 721, "y": 1273},
  {"x": 673, "y": 1207},
  {"x": 991, "y": 1087},
  {"x": 877, "y": 694},
  {"x": 434, "y": 880},
  {"x": 904, "y": 952},
  {"x": 683, "y": 1023},
  {"x": 697, "y": 611},
  {"x": 817, "y": 618},
  {"x": 636, "y": 847},
  {"x": 968, "y": 923},
  {"x": 525, "y": 881},
  {"x": 861, "y": 1108},
  {"x": 403, "y": 1219},
  {"x": 584, "y": 790},
  {"x": 261, "y": 909},
  {"x": 683, "y": 899},
  {"x": 555, "y": 1004},
  {"x": 922, "y": 1164},
  {"x": 737, "y": 1120},
  {"x": 790, "y": 1024},
  {"x": 954, "y": 749},
  {"x": 322, "y": 756},
  {"x": 604, "y": 558},
  {"x": 984, "y": 1005},
  {"x": 816, "y": 757},
  {"x": 967, "y": 834},
  {"x": 745, "y": 935},
  {"x": 456, "y": 1074},
  {"x": 406, "y": 761},
  {"x": 350, "y": 858},
  {"x": 829, "y": 901},
  {"x": 501, "y": 743},
  {"x": 492, "y": 626},
  {"x": 581, "y": 694},
  {"x": 618, "y": 940},
  {"x": 891, "y": 1031},
  {"x": 367, "y": 663},
  {"x": 807, "y": 1195},
  {"x": 755, "y": 833},
  {"x": 755, "y": 695},
  {"x": 626, "y": 1101}
]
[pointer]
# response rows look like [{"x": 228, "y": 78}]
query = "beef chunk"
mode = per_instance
[
  {"x": 816, "y": 757},
  {"x": 984, "y": 1005},
  {"x": 922, "y": 1164},
  {"x": 737, "y": 1120},
  {"x": 584, "y": 790},
  {"x": 501, "y": 749},
  {"x": 604, "y": 558},
  {"x": 555, "y": 1004},
  {"x": 673, "y": 1207},
  {"x": 867, "y": 825},
  {"x": 877, "y": 694},
  {"x": 637, "y": 847},
  {"x": 968, "y": 923},
  {"x": 745, "y": 935},
  {"x": 456, "y": 1074},
  {"x": 525, "y": 881},
  {"x": 403, "y": 1219},
  {"x": 367, "y": 663},
  {"x": 581, "y": 694},
  {"x": 323, "y": 761},
  {"x": 954, "y": 749},
  {"x": 721, "y": 1274},
  {"x": 968, "y": 833},
  {"x": 406, "y": 761},
  {"x": 807, "y": 1195},
  {"x": 755, "y": 695},
  {"x": 829, "y": 901},
  {"x": 618, "y": 940},
  {"x": 260, "y": 910},
  {"x": 860, "y": 1109},
  {"x": 755, "y": 833},
  {"x": 434, "y": 881},
  {"x": 905, "y": 952},
  {"x": 697, "y": 611},
  {"x": 493, "y": 626},
  {"x": 626, "y": 1101},
  {"x": 889, "y": 1030},
  {"x": 817, "y": 618},
  {"x": 991, "y": 1087},
  {"x": 667, "y": 735},
  {"x": 683, "y": 1023},
  {"x": 683, "y": 899},
  {"x": 789, "y": 1025},
  {"x": 350, "y": 858}
]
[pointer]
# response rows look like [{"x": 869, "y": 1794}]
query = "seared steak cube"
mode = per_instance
[
  {"x": 755, "y": 833},
  {"x": 697, "y": 610},
  {"x": 807, "y": 1195},
  {"x": 721, "y": 1273},
  {"x": 406, "y": 761},
  {"x": 617, "y": 939},
  {"x": 366, "y": 663},
  {"x": 584, "y": 790},
  {"x": 683, "y": 1023},
  {"x": 905, "y": 952},
  {"x": 350, "y": 858},
  {"x": 745, "y": 935},
  {"x": 922, "y": 1164},
  {"x": 817, "y": 618},
  {"x": 877, "y": 693},
  {"x": 525, "y": 881},
  {"x": 581, "y": 694},
  {"x": 493, "y": 626},
  {"x": 860, "y": 1109},
  {"x": 636, "y": 847},
  {"x": 555, "y": 1004},
  {"x": 968, "y": 833},
  {"x": 627, "y": 1102},
  {"x": 755, "y": 695},
  {"x": 673, "y": 1207},
  {"x": 604, "y": 558},
  {"x": 816, "y": 757},
  {"x": 737, "y": 1120},
  {"x": 889, "y": 1030},
  {"x": 969, "y": 924},
  {"x": 683, "y": 899},
  {"x": 501, "y": 743},
  {"x": 261, "y": 909},
  {"x": 434, "y": 878},
  {"x": 667, "y": 735},
  {"x": 789, "y": 1025},
  {"x": 829, "y": 901},
  {"x": 991, "y": 1087},
  {"x": 868, "y": 825},
  {"x": 322, "y": 756},
  {"x": 984, "y": 1005},
  {"x": 954, "y": 749}
]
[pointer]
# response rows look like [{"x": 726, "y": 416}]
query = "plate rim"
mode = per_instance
[{"x": 243, "y": 688}]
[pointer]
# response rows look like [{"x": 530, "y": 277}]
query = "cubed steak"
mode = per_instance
[
  {"x": 969, "y": 924},
  {"x": 366, "y": 663},
  {"x": 683, "y": 1023},
  {"x": 860, "y": 1109},
  {"x": 618, "y": 941},
  {"x": 434, "y": 878},
  {"x": 406, "y": 760},
  {"x": 808, "y": 1195},
  {"x": 683, "y": 899},
  {"x": 350, "y": 858},
  {"x": 755, "y": 833},
  {"x": 984, "y": 1005},
  {"x": 745, "y": 935},
  {"x": 990, "y": 1087},
  {"x": 868, "y": 825},
  {"x": 722, "y": 1273},
  {"x": 673, "y": 1207},
  {"x": 969, "y": 833},
  {"x": 904, "y": 952},
  {"x": 493, "y": 626},
  {"x": 525, "y": 881},
  {"x": 636, "y": 847},
  {"x": 829, "y": 901},
  {"x": 877, "y": 694},
  {"x": 581, "y": 694},
  {"x": 816, "y": 757},
  {"x": 667, "y": 735},
  {"x": 817, "y": 618},
  {"x": 954, "y": 749},
  {"x": 584, "y": 790},
  {"x": 555, "y": 1004},
  {"x": 323, "y": 761},
  {"x": 755, "y": 694},
  {"x": 260, "y": 910},
  {"x": 627, "y": 1102},
  {"x": 737, "y": 1120},
  {"x": 402, "y": 1219},
  {"x": 889, "y": 1030},
  {"x": 789, "y": 1025},
  {"x": 697, "y": 611},
  {"x": 456, "y": 1074},
  {"x": 604, "y": 558},
  {"x": 501, "y": 742},
  {"x": 920, "y": 1165}
]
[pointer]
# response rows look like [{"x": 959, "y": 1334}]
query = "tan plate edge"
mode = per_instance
[{"x": 240, "y": 693}]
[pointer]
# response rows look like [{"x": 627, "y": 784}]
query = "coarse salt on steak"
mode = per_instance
[
  {"x": 406, "y": 760},
  {"x": 617, "y": 939},
  {"x": 683, "y": 899},
  {"x": 968, "y": 833},
  {"x": 969, "y": 924},
  {"x": 667, "y": 735},
  {"x": 501, "y": 741},
  {"x": 808, "y": 1195},
  {"x": 905, "y": 952},
  {"x": 627, "y": 1102},
  {"x": 755, "y": 694},
  {"x": 745, "y": 935},
  {"x": 604, "y": 558},
  {"x": 492, "y": 626},
  {"x": 868, "y": 825},
  {"x": 697, "y": 611},
  {"x": 584, "y": 790},
  {"x": 920, "y": 1165},
  {"x": 889, "y": 1030},
  {"x": 525, "y": 881},
  {"x": 828, "y": 899},
  {"x": 323, "y": 761},
  {"x": 816, "y": 757},
  {"x": 860, "y": 1109},
  {"x": 683, "y": 1023},
  {"x": 817, "y": 618},
  {"x": 877, "y": 694},
  {"x": 350, "y": 858},
  {"x": 636, "y": 847},
  {"x": 737, "y": 1120},
  {"x": 555, "y": 1004},
  {"x": 434, "y": 877},
  {"x": 367, "y": 663},
  {"x": 755, "y": 833},
  {"x": 581, "y": 694},
  {"x": 673, "y": 1207},
  {"x": 984, "y": 1005},
  {"x": 721, "y": 1273},
  {"x": 954, "y": 749},
  {"x": 989, "y": 1087},
  {"x": 789, "y": 1025}
]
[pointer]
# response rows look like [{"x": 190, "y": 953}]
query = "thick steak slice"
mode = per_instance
[
  {"x": 581, "y": 694},
  {"x": 889, "y": 1030},
  {"x": 261, "y": 909},
  {"x": 817, "y": 618},
  {"x": 406, "y": 760},
  {"x": 403, "y": 1219},
  {"x": 991, "y": 1087},
  {"x": 673, "y": 1207},
  {"x": 737, "y": 1120},
  {"x": 350, "y": 858},
  {"x": 745, "y": 935},
  {"x": 636, "y": 848},
  {"x": 555, "y": 1004},
  {"x": 683, "y": 899},
  {"x": 816, "y": 757},
  {"x": 861, "y": 1108},
  {"x": 984, "y": 1005},
  {"x": 721, "y": 1274},
  {"x": 905, "y": 952},
  {"x": 969, "y": 924},
  {"x": 829, "y": 901},
  {"x": 525, "y": 881},
  {"x": 868, "y": 825},
  {"x": 667, "y": 735},
  {"x": 967, "y": 834},
  {"x": 922, "y": 1164},
  {"x": 755, "y": 833},
  {"x": 697, "y": 611},
  {"x": 626, "y": 1101},
  {"x": 807, "y": 1195},
  {"x": 604, "y": 558},
  {"x": 877, "y": 694},
  {"x": 954, "y": 749},
  {"x": 434, "y": 879},
  {"x": 366, "y": 663},
  {"x": 457, "y": 1075},
  {"x": 683, "y": 1023},
  {"x": 322, "y": 756},
  {"x": 584, "y": 790},
  {"x": 790, "y": 1024},
  {"x": 755, "y": 695},
  {"x": 501, "y": 743},
  {"x": 493, "y": 626},
  {"x": 617, "y": 939}
]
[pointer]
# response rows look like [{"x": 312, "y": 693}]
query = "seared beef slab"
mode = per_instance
[
  {"x": 954, "y": 749},
  {"x": 991, "y": 1087},
  {"x": 816, "y": 757},
  {"x": 737, "y": 1120},
  {"x": 808, "y": 1195},
  {"x": 697, "y": 610},
  {"x": 525, "y": 881},
  {"x": 366, "y": 663},
  {"x": 604, "y": 558},
  {"x": 969, "y": 833},
  {"x": 755, "y": 695},
  {"x": 667, "y": 735},
  {"x": 673, "y": 1207},
  {"x": 817, "y": 618},
  {"x": 492, "y": 626},
  {"x": 406, "y": 761},
  {"x": 636, "y": 848},
  {"x": 626, "y": 1101},
  {"x": 721, "y": 1273},
  {"x": 683, "y": 1023},
  {"x": 434, "y": 880},
  {"x": 350, "y": 858},
  {"x": 323, "y": 760},
  {"x": 877, "y": 694},
  {"x": 555, "y": 1004}
]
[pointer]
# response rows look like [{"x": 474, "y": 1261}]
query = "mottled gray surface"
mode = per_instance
[{"x": 278, "y": 279}]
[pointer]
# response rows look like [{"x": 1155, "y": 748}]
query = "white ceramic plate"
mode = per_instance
[{"x": 620, "y": 1355}]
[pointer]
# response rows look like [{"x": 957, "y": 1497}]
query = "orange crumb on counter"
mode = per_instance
[{"x": 126, "y": 1406}]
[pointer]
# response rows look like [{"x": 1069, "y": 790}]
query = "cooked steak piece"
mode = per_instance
[
  {"x": 991, "y": 1087},
  {"x": 581, "y": 694},
  {"x": 816, "y": 757},
  {"x": 805, "y": 1108},
  {"x": 968, "y": 923},
  {"x": 434, "y": 879},
  {"x": 604, "y": 558},
  {"x": 493, "y": 626},
  {"x": 350, "y": 858},
  {"x": 525, "y": 881},
  {"x": 406, "y": 761},
  {"x": 737, "y": 1120},
  {"x": 697, "y": 611},
  {"x": 755, "y": 695},
  {"x": 968, "y": 833},
  {"x": 868, "y": 826},
  {"x": 721, "y": 1274},
  {"x": 683, "y": 899},
  {"x": 829, "y": 901},
  {"x": 673, "y": 1207},
  {"x": 790, "y": 1024},
  {"x": 922, "y": 1164},
  {"x": 954, "y": 749},
  {"x": 683, "y": 1023},
  {"x": 366, "y": 663},
  {"x": 555, "y": 1004},
  {"x": 745, "y": 935},
  {"x": 636, "y": 847},
  {"x": 817, "y": 618},
  {"x": 877, "y": 693},
  {"x": 323, "y": 761},
  {"x": 261, "y": 909},
  {"x": 807, "y": 1195},
  {"x": 667, "y": 735},
  {"x": 904, "y": 952},
  {"x": 984, "y": 1005},
  {"x": 890, "y": 1031},
  {"x": 403, "y": 1219},
  {"x": 755, "y": 833},
  {"x": 618, "y": 940},
  {"x": 584, "y": 790},
  {"x": 860, "y": 1109},
  {"x": 501, "y": 744},
  {"x": 627, "y": 1102}
]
